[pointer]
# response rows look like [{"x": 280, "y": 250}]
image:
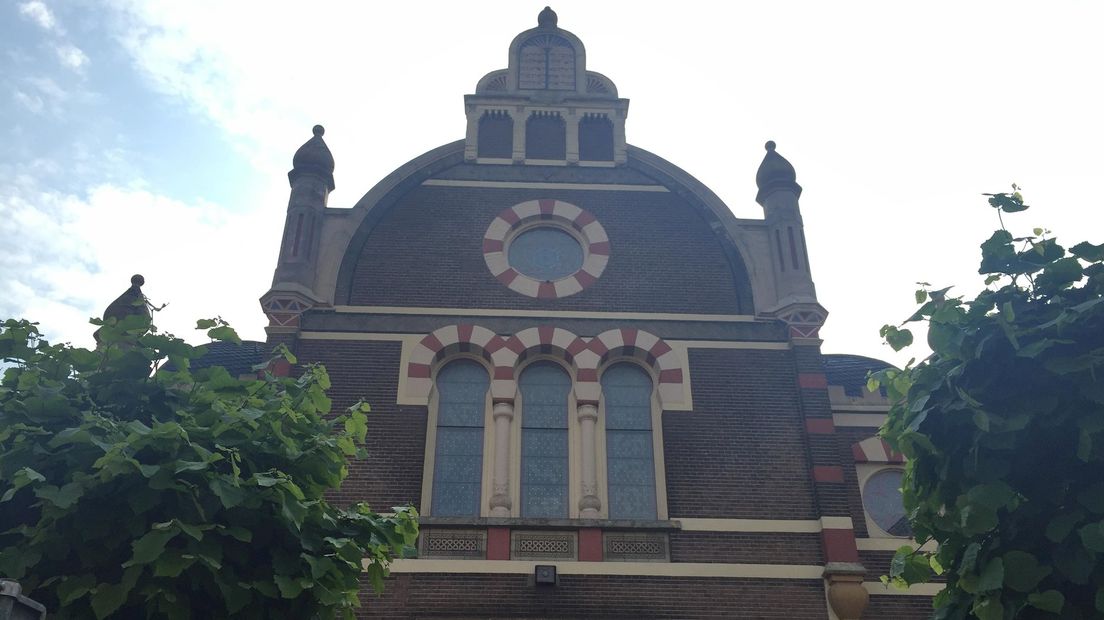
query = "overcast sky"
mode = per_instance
[{"x": 155, "y": 137}]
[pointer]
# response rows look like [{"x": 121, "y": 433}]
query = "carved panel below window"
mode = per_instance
[
  {"x": 543, "y": 545},
  {"x": 453, "y": 544},
  {"x": 635, "y": 547}
]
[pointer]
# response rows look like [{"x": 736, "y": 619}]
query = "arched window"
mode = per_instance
[
  {"x": 496, "y": 134},
  {"x": 545, "y": 388},
  {"x": 630, "y": 461},
  {"x": 595, "y": 138},
  {"x": 458, "y": 458},
  {"x": 545, "y": 136}
]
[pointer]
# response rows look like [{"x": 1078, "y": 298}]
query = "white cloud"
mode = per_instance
[
  {"x": 31, "y": 102},
  {"x": 41, "y": 94},
  {"x": 71, "y": 56},
  {"x": 40, "y": 14},
  {"x": 68, "y": 256}
]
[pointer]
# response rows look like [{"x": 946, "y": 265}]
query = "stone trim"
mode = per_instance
[
  {"x": 877, "y": 588},
  {"x": 612, "y": 187},
  {"x": 643, "y": 569},
  {"x": 582, "y": 224},
  {"x": 875, "y": 450},
  {"x": 585, "y": 356}
]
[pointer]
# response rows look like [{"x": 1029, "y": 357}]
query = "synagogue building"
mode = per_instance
[{"x": 603, "y": 392}]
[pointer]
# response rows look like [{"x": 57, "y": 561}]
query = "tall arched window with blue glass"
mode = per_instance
[
  {"x": 545, "y": 391},
  {"x": 458, "y": 458},
  {"x": 630, "y": 458}
]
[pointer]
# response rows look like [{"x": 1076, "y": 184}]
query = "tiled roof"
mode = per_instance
[
  {"x": 850, "y": 371},
  {"x": 236, "y": 359}
]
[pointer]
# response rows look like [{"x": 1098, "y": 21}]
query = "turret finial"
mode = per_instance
[
  {"x": 775, "y": 173},
  {"x": 314, "y": 157},
  {"x": 547, "y": 18}
]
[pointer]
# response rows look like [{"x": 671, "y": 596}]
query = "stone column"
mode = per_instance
[
  {"x": 500, "y": 498},
  {"x": 589, "y": 504},
  {"x": 571, "y": 124},
  {"x": 471, "y": 144},
  {"x": 521, "y": 117}
]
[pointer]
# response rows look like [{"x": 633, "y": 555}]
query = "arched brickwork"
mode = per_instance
[
  {"x": 448, "y": 342},
  {"x": 649, "y": 349}
]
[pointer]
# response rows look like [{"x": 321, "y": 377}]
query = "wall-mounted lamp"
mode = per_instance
[{"x": 545, "y": 574}]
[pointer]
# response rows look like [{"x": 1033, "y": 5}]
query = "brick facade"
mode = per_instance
[{"x": 758, "y": 510}]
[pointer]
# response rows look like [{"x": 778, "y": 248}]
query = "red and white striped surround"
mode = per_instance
[
  {"x": 596, "y": 247},
  {"x": 585, "y": 356},
  {"x": 875, "y": 450}
]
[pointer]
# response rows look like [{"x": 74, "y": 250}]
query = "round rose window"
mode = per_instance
[
  {"x": 546, "y": 249},
  {"x": 545, "y": 253},
  {"x": 884, "y": 503}
]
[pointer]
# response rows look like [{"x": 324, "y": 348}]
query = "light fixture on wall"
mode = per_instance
[{"x": 545, "y": 574}]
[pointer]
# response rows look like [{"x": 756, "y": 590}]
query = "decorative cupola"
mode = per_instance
[
  {"x": 313, "y": 157},
  {"x": 775, "y": 173},
  {"x": 545, "y": 108},
  {"x": 796, "y": 301},
  {"x": 311, "y": 178}
]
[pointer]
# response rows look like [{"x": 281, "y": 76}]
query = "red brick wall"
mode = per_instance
[
  {"x": 899, "y": 607},
  {"x": 741, "y": 452},
  {"x": 846, "y": 436},
  {"x": 427, "y": 251},
  {"x": 431, "y": 595},
  {"x": 746, "y": 547},
  {"x": 392, "y": 473}
]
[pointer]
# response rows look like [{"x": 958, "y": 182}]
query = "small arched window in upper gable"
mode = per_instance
[
  {"x": 630, "y": 458},
  {"x": 458, "y": 457},
  {"x": 545, "y": 136},
  {"x": 546, "y": 62},
  {"x": 496, "y": 134},
  {"x": 595, "y": 138}
]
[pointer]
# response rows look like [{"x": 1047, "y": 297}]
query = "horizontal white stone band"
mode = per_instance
[
  {"x": 644, "y": 569},
  {"x": 796, "y": 526},
  {"x": 609, "y": 187},
  {"x": 557, "y": 314},
  {"x": 877, "y": 588},
  {"x": 872, "y": 420}
]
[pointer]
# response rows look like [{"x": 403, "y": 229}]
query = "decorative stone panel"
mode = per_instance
[
  {"x": 453, "y": 544},
  {"x": 543, "y": 545},
  {"x": 635, "y": 547}
]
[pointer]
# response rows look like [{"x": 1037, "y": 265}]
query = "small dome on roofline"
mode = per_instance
[
  {"x": 313, "y": 157},
  {"x": 775, "y": 173}
]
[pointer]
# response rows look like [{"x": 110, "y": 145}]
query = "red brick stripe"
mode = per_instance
[
  {"x": 432, "y": 343},
  {"x": 417, "y": 371},
  {"x": 828, "y": 473},
  {"x": 820, "y": 426},
  {"x": 546, "y": 205},
  {"x": 812, "y": 380},
  {"x": 839, "y": 545}
]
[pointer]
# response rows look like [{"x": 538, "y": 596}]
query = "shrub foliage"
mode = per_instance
[
  {"x": 132, "y": 490},
  {"x": 1003, "y": 428}
]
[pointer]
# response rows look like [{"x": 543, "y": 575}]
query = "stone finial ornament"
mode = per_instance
[
  {"x": 313, "y": 157},
  {"x": 547, "y": 18},
  {"x": 131, "y": 302},
  {"x": 775, "y": 173}
]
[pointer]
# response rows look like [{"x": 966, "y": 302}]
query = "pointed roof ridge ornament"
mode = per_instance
[
  {"x": 313, "y": 157},
  {"x": 547, "y": 18},
  {"x": 775, "y": 173}
]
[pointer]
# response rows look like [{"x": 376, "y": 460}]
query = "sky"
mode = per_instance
[{"x": 155, "y": 137}]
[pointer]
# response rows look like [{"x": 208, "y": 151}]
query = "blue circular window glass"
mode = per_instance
[
  {"x": 884, "y": 503},
  {"x": 546, "y": 253}
]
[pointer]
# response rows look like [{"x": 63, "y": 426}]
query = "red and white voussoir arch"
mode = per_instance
[
  {"x": 595, "y": 241},
  {"x": 585, "y": 356}
]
